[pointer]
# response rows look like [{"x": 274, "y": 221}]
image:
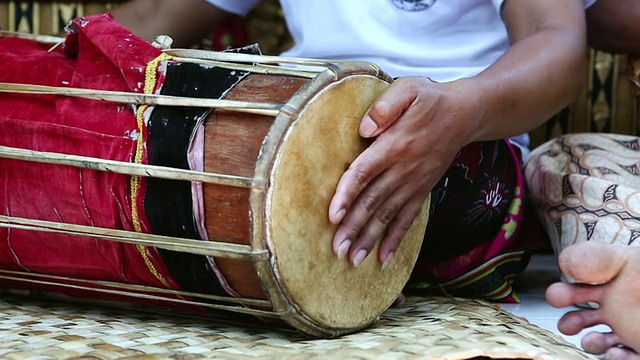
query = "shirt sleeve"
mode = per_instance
[
  {"x": 498, "y": 5},
  {"x": 238, "y": 7}
]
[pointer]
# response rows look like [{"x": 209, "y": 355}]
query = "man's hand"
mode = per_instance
[{"x": 423, "y": 125}]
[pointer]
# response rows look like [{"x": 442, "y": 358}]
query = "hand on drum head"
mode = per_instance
[
  {"x": 420, "y": 126},
  {"x": 616, "y": 268}
]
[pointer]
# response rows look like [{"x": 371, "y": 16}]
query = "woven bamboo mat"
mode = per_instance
[{"x": 433, "y": 328}]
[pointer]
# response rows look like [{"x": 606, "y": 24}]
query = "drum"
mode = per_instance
[{"x": 188, "y": 179}]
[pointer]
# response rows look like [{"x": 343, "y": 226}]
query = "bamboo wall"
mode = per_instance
[
  {"x": 606, "y": 104},
  {"x": 46, "y": 17}
]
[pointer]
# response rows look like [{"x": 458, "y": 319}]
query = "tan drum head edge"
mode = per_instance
[{"x": 315, "y": 151}]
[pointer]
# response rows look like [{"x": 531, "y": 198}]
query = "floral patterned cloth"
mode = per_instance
[{"x": 471, "y": 247}]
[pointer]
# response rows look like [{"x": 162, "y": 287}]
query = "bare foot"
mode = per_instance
[
  {"x": 614, "y": 274},
  {"x": 399, "y": 301}
]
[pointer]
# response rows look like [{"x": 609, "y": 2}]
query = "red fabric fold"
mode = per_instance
[{"x": 98, "y": 54}]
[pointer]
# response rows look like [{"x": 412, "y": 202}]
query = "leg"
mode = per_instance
[
  {"x": 471, "y": 246},
  {"x": 616, "y": 271},
  {"x": 470, "y": 202}
]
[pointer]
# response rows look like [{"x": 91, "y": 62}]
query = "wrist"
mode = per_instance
[{"x": 471, "y": 109}]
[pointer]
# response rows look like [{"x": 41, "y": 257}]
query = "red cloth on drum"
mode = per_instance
[{"x": 98, "y": 54}]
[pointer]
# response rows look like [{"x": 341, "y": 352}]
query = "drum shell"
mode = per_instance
[{"x": 233, "y": 144}]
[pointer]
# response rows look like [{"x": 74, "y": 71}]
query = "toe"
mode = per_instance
[
  {"x": 592, "y": 262},
  {"x": 599, "y": 343},
  {"x": 621, "y": 353},
  {"x": 562, "y": 294},
  {"x": 575, "y": 321},
  {"x": 399, "y": 301}
]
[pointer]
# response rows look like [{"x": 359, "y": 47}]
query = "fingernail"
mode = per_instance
[
  {"x": 387, "y": 260},
  {"x": 340, "y": 215},
  {"x": 359, "y": 258},
  {"x": 368, "y": 127},
  {"x": 343, "y": 249}
]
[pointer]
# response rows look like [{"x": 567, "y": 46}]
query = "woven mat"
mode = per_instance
[{"x": 434, "y": 328}]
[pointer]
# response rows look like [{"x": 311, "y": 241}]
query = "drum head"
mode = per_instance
[{"x": 315, "y": 151}]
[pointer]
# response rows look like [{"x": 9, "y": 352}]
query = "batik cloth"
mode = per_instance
[{"x": 586, "y": 187}]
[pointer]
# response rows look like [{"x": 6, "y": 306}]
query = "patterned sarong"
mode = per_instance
[{"x": 471, "y": 246}]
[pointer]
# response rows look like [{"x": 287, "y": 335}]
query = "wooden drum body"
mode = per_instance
[{"x": 256, "y": 170}]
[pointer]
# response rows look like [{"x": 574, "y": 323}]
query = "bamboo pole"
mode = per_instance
[
  {"x": 268, "y": 109},
  {"x": 198, "y": 247},
  {"x": 127, "y": 168}
]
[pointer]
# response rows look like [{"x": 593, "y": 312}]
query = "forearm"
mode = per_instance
[
  {"x": 614, "y": 26},
  {"x": 526, "y": 87},
  {"x": 186, "y": 21},
  {"x": 540, "y": 74}
]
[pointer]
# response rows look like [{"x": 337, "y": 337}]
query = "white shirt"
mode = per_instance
[
  {"x": 444, "y": 40},
  {"x": 456, "y": 38}
]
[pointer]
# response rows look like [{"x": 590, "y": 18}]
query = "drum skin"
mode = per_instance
[{"x": 299, "y": 233}]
